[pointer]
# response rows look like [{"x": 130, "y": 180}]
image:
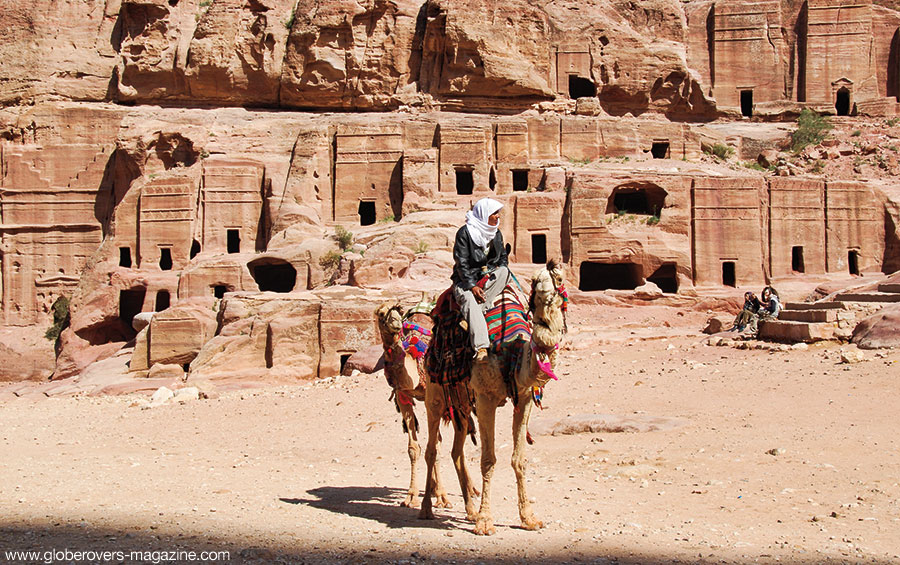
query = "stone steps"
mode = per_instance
[
  {"x": 809, "y": 315},
  {"x": 889, "y": 287},
  {"x": 867, "y": 297},
  {"x": 814, "y": 306},
  {"x": 794, "y": 332}
]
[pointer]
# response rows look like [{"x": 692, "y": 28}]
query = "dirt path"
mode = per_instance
[{"x": 315, "y": 473}]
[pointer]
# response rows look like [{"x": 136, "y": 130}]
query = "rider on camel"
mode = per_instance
[{"x": 480, "y": 271}]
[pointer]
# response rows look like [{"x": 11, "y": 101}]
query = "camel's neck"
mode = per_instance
[{"x": 537, "y": 367}]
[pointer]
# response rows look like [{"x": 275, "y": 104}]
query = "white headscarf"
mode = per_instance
[{"x": 480, "y": 231}]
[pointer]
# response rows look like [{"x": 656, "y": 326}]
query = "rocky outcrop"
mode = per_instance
[{"x": 881, "y": 330}]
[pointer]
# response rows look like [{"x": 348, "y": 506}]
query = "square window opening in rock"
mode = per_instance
[
  {"x": 131, "y": 302},
  {"x": 853, "y": 261},
  {"x": 660, "y": 150},
  {"x": 344, "y": 358},
  {"x": 666, "y": 278},
  {"x": 797, "y": 264},
  {"x": 728, "y": 274},
  {"x": 162, "y": 300},
  {"x": 465, "y": 182},
  {"x": 125, "y": 257},
  {"x": 747, "y": 103},
  {"x": 366, "y": 212},
  {"x": 580, "y": 87},
  {"x": 165, "y": 258},
  {"x": 233, "y": 241},
  {"x": 606, "y": 276},
  {"x": 842, "y": 102},
  {"x": 520, "y": 180},
  {"x": 219, "y": 290},
  {"x": 538, "y": 248}
]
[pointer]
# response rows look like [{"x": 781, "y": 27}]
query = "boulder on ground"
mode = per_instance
[{"x": 880, "y": 330}]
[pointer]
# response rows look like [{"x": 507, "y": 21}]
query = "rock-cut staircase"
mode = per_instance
[{"x": 830, "y": 319}]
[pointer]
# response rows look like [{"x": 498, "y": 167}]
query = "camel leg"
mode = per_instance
[
  {"x": 462, "y": 472},
  {"x": 484, "y": 523},
  {"x": 520, "y": 429},
  {"x": 432, "y": 480},
  {"x": 414, "y": 451}
]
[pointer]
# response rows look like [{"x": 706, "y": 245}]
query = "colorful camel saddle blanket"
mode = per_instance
[{"x": 508, "y": 320}]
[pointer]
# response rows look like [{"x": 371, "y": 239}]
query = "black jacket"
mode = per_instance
[{"x": 470, "y": 258}]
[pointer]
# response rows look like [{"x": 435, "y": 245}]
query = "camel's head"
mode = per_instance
[
  {"x": 389, "y": 317},
  {"x": 549, "y": 298}
]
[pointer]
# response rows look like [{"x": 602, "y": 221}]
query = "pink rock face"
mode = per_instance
[
  {"x": 881, "y": 330},
  {"x": 224, "y": 170}
]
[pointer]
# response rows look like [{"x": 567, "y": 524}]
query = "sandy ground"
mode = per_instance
[{"x": 315, "y": 472}]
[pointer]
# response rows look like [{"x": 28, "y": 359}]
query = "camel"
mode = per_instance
[
  {"x": 547, "y": 306},
  {"x": 405, "y": 375}
]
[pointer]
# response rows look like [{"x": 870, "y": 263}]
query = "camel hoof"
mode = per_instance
[
  {"x": 473, "y": 492},
  {"x": 484, "y": 527},
  {"x": 410, "y": 502},
  {"x": 441, "y": 501},
  {"x": 426, "y": 514},
  {"x": 472, "y": 516},
  {"x": 532, "y": 524}
]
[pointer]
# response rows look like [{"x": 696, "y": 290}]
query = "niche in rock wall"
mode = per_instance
[
  {"x": 162, "y": 300},
  {"x": 233, "y": 241},
  {"x": 660, "y": 150},
  {"x": 747, "y": 103},
  {"x": 797, "y": 263},
  {"x": 538, "y": 248},
  {"x": 465, "y": 181},
  {"x": 274, "y": 275},
  {"x": 125, "y": 257},
  {"x": 366, "y": 213},
  {"x": 606, "y": 276},
  {"x": 520, "y": 180},
  {"x": 165, "y": 258},
  {"x": 131, "y": 301},
  {"x": 174, "y": 150},
  {"x": 219, "y": 290},
  {"x": 853, "y": 261},
  {"x": 580, "y": 87},
  {"x": 637, "y": 198},
  {"x": 195, "y": 248},
  {"x": 729, "y": 278},
  {"x": 842, "y": 102},
  {"x": 665, "y": 277}
]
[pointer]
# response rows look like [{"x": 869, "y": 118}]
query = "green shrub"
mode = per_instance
[
  {"x": 811, "y": 130},
  {"x": 344, "y": 237},
  {"x": 720, "y": 150},
  {"x": 755, "y": 166},
  {"x": 892, "y": 122},
  {"x": 652, "y": 220},
  {"x": 289, "y": 23},
  {"x": 386, "y": 219},
  {"x": 60, "y": 318},
  {"x": 856, "y": 133},
  {"x": 817, "y": 167},
  {"x": 421, "y": 247},
  {"x": 330, "y": 260}
]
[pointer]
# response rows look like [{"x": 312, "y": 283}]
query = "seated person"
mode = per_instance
[
  {"x": 770, "y": 307},
  {"x": 479, "y": 254},
  {"x": 751, "y": 307}
]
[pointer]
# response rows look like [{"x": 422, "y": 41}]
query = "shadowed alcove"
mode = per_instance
[{"x": 272, "y": 274}]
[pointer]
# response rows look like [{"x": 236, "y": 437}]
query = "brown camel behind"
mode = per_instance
[{"x": 405, "y": 374}]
